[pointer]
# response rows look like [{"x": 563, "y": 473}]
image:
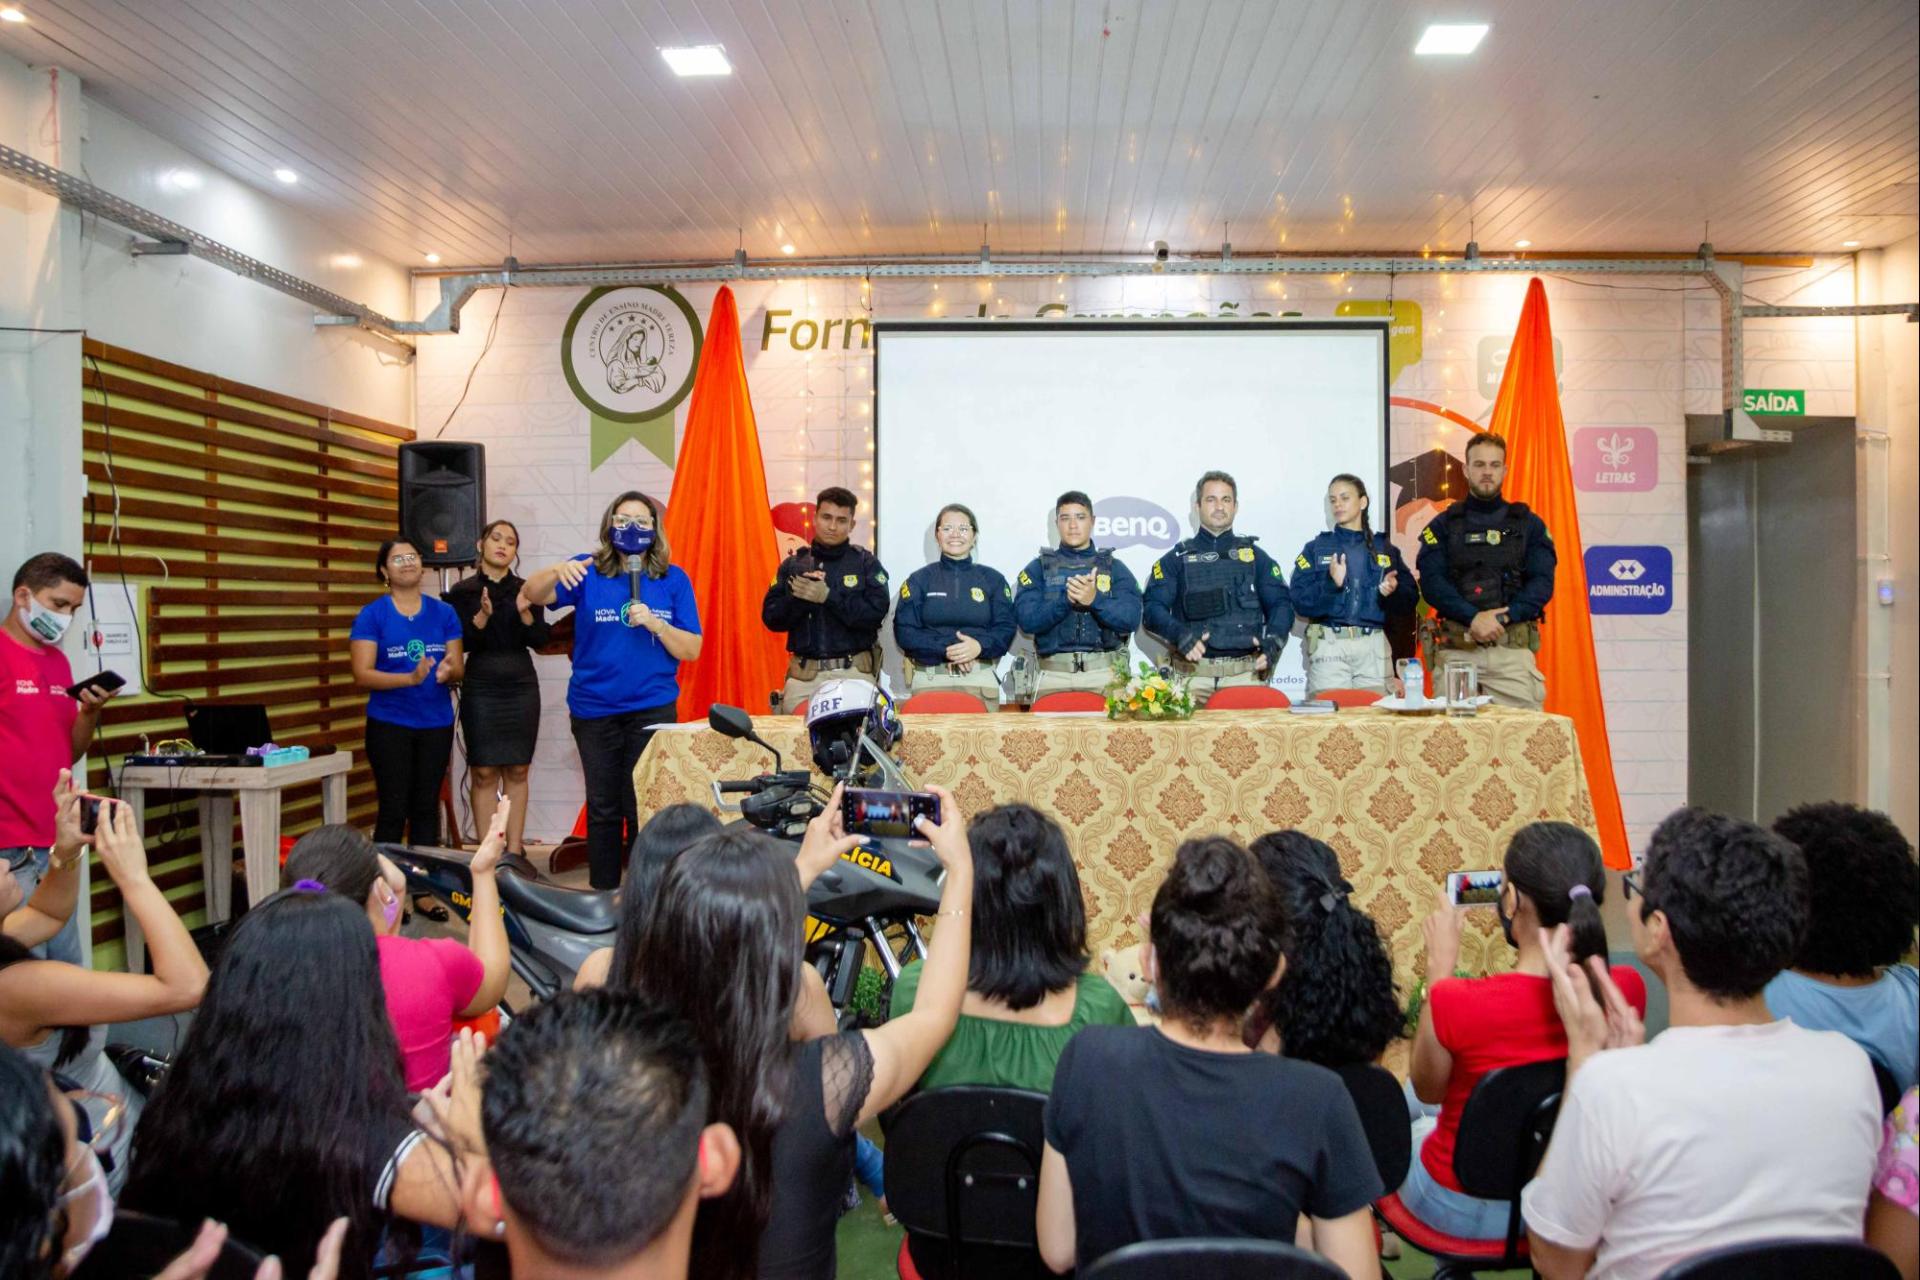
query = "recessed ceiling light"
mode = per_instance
[
  {"x": 345, "y": 261},
  {"x": 11, "y": 14},
  {"x": 1849, "y": 244},
  {"x": 180, "y": 180},
  {"x": 1523, "y": 244},
  {"x": 1451, "y": 39},
  {"x": 287, "y": 176},
  {"x": 698, "y": 60},
  {"x": 433, "y": 258},
  {"x": 786, "y": 248}
]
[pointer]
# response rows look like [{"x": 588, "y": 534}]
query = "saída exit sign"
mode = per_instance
[{"x": 1777, "y": 403}]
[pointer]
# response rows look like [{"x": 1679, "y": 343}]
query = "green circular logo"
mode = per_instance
[
  {"x": 629, "y": 353},
  {"x": 416, "y": 650}
]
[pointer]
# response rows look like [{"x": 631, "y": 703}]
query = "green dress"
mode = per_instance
[{"x": 1012, "y": 1055}]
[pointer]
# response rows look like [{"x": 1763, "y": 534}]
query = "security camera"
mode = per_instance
[{"x": 1159, "y": 250}]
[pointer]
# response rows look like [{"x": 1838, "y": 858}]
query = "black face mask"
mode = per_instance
[{"x": 1506, "y": 921}]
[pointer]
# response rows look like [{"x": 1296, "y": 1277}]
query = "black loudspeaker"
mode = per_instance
[{"x": 443, "y": 500}]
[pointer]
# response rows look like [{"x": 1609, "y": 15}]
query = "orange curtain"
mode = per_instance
[
  {"x": 1527, "y": 413},
  {"x": 720, "y": 531}
]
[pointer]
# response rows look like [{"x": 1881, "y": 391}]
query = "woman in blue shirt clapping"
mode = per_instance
[{"x": 631, "y": 632}]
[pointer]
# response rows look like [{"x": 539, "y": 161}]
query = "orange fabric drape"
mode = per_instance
[
  {"x": 720, "y": 531},
  {"x": 1527, "y": 413}
]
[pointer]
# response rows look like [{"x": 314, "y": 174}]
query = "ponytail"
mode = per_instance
[
  {"x": 1366, "y": 512},
  {"x": 1558, "y": 866}
]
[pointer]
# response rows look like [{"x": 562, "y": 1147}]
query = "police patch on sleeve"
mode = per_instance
[
  {"x": 880, "y": 578},
  {"x": 1025, "y": 581},
  {"x": 1426, "y": 536},
  {"x": 1008, "y": 591},
  {"x": 1158, "y": 573},
  {"x": 979, "y": 596},
  {"x": 906, "y": 590},
  {"x": 1301, "y": 560},
  {"x": 851, "y": 580},
  {"x": 1274, "y": 569}
]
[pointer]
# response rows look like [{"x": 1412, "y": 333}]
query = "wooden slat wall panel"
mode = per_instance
[{"x": 250, "y": 521}]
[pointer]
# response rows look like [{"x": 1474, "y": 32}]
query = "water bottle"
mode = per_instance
[{"x": 1414, "y": 677}]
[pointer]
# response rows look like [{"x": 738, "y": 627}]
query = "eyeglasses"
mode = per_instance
[
  {"x": 947, "y": 529},
  {"x": 402, "y": 560},
  {"x": 1630, "y": 886},
  {"x": 630, "y": 522}
]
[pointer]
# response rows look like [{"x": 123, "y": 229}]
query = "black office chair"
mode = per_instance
[
  {"x": 1382, "y": 1105},
  {"x": 1787, "y": 1260},
  {"x": 963, "y": 1178},
  {"x": 141, "y": 1245},
  {"x": 1503, "y": 1133},
  {"x": 1212, "y": 1260}
]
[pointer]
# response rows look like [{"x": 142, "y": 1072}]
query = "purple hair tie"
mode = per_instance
[
  {"x": 1579, "y": 891},
  {"x": 314, "y": 886}
]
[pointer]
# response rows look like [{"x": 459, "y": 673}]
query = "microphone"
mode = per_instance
[{"x": 636, "y": 568}]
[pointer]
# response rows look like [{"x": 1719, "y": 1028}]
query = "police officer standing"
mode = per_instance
[
  {"x": 1486, "y": 566},
  {"x": 954, "y": 619},
  {"x": 1345, "y": 583},
  {"x": 1219, "y": 602},
  {"x": 1080, "y": 604},
  {"x": 830, "y": 597}
]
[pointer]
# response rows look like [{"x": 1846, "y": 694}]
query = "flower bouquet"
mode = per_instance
[{"x": 1147, "y": 695}]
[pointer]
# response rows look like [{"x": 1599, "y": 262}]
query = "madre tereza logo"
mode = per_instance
[{"x": 1133, "y": 522}]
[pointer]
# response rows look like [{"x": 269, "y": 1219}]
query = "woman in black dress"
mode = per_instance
[{"x": 500, "y": 694}]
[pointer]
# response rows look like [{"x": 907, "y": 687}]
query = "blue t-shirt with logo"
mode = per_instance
[
  {"x": 618, "y": 668},
  {"x": 399, "y": 642}
]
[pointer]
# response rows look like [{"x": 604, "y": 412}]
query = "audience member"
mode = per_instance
[
  {"x": 1865, "y": 901},
  {"x": 660, "y": 841},
  {"x": 598, "y": 1147},
  {"x": 723, "y": 947},
  {"x": 1470, "y": 1026},
  {"x": 285, "y": 1107},
  {"x": 42, "y": 729},
  {"x": 1730, "y": 1127},
  {"x": 1180, "y": 1130},
  {"x": 1893, "y": 1211},
  {"x": 1335, "y": 1004},
  {"x": 32, "y": 913},
  {"x": 49, "y": 1212},
  {"x": 55, "y": 1012},
  {"x": 1029, "y": 990},
  {"x": 429, "y": 983}
]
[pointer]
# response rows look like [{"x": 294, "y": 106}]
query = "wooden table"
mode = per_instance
[
  {"x": 259, "y": 792},
  {"x": 1403, "y": 799}
]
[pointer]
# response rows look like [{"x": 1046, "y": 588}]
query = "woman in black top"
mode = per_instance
[{"x": 500, "y": 694}]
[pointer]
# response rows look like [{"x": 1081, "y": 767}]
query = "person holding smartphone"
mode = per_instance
[{"x": 43, "y": 729}]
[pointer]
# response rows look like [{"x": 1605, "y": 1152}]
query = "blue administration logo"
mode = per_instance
[{"x": 1629, "y": 579}]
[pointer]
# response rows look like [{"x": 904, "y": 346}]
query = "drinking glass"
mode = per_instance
[{"x": 1462, "y": 685}]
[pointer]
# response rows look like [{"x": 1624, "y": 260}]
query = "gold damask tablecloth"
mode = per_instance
[{"x": 1404, "y": 799}]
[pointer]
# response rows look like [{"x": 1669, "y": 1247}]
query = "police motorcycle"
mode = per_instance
[{"x": 872, "y": 898}]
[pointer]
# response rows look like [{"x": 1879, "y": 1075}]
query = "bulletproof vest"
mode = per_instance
[
  {"x": 1486, "y": 564},
  {"x": 1220, "y": 594},
  {"x": 1081, "y": 632}
]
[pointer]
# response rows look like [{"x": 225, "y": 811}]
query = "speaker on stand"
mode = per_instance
[{"x": 443, "y": 500}]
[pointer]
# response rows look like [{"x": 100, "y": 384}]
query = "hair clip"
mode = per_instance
[
  {"x": 308, "y": 886},
  {"x": 1579, "y": 891}
]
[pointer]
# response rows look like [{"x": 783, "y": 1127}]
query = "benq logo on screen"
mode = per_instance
[
  {"x": 1629, "y": 579},
  {"x": 1119, "y": 523}
]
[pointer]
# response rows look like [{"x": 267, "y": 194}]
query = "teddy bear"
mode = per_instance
[{"x": 1124, "y": 970}]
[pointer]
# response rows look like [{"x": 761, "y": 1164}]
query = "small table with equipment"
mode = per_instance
[{"x": 258, "y": 788}]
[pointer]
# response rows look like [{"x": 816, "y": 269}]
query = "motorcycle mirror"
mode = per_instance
[{"x": 731, "y": 721}]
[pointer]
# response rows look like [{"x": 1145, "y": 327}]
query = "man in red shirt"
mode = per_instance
[{"x": 42, "y": 729}]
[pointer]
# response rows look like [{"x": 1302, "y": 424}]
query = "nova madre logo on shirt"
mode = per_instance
[
  {"x": 629, "y": 354},
  {"x": 1629, "y": 579},
  {"x": 416, "y": 650}
]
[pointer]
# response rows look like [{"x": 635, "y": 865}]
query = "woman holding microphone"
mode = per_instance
[{"x": 634, "y": 623}]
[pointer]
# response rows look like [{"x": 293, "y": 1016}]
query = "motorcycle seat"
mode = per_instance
[{"x": 575, "y": 910}]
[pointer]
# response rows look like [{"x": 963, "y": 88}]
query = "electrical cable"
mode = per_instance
[{"x": 492, "y": 329}]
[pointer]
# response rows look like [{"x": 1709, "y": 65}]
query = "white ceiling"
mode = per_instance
[{"x": 868, "y": 127}]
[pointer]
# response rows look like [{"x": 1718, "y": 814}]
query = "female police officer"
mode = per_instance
[
  {"x": 1345, "y": 583},
  {"x": 954, "y": 619}
]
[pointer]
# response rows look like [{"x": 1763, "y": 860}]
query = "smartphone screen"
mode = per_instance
[
  {"x": 89, "y": 814},
  {"x": 105, "y": 680},
  {"x": 1474, "y": 888},
  {"x": 886, "y": 813}
]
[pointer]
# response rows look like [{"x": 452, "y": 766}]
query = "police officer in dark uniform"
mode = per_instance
[
  {"x": 954, "y": 618},
  {"x": 1080, "y": 604},
  {"x": 1486, "y": 566},
  {"x": 830, "y": 598},
  {"x": 1218, "y": 601},
  {"x": 1345, "y": 583}
]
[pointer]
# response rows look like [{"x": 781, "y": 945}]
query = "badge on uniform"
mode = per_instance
[
  {"x": 1493, "y": 537},
  {"x": 851, "y": 580},
  {"x": 979, "y": 596},
  {"x": 1246, "y": 554},
  {"x": 1104, "y": 582},
  {"x": 1383, "y": 561}
]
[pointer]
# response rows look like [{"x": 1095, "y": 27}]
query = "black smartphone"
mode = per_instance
[
  {"x": 886, "y": 813},
  {"x": 1475, "y": 888},
  {"x": 105, "y": 681},
  {"x": 90, "y": 814}
]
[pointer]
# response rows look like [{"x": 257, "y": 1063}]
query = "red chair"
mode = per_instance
[
  {"x": 1350, "y": 697},
  {"x": 1069, "y": 700},
  {"x": 1243, "y": 697},
  {"x": 943, "y": 702}
]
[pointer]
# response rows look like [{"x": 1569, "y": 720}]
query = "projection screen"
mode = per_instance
[{"x": 1004, "y": 415}]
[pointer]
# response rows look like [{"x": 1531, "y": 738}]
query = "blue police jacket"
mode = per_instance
[
  {"x": 939, "y": 601},
  {"x": 1358, "y": 603},
  {"x": 1249, "y": 610},
  {"x": 1058, "y": 625}
]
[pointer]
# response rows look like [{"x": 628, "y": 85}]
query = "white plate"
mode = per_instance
[{"x": 1430, "y": 705}]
